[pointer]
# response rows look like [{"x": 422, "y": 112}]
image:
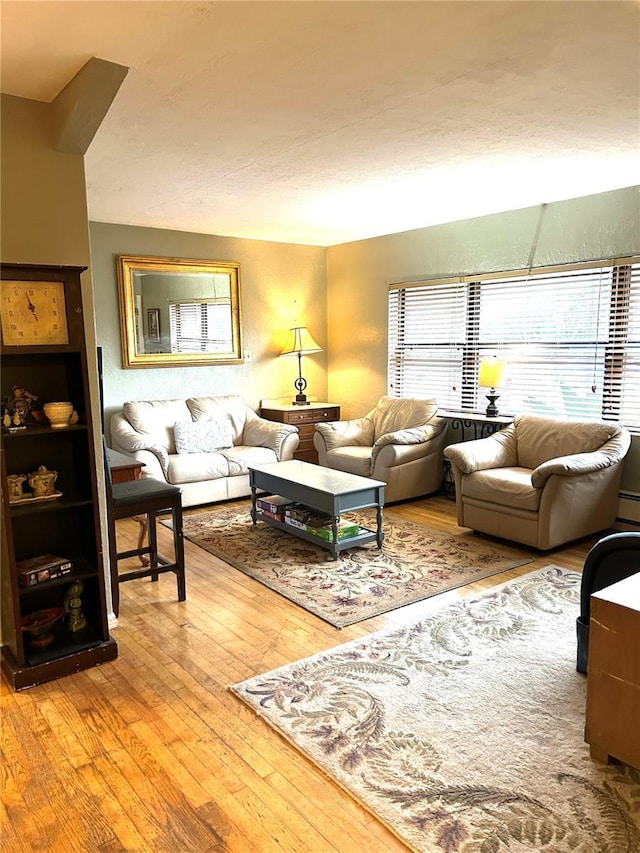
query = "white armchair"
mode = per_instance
[
  {"x": 541, "y": 481},
  {"x": 400, "y": 442}
]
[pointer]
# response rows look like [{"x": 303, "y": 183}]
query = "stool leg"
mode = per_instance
[
  {"x": 142, "y": 535},
  {"x": 178, "y": 541},
  {"x": 153, "y": 542}
]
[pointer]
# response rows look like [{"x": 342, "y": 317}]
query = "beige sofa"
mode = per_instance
[
  {"x": 541, "y": 481},
  {"x": 202, "y": 444},
  {"x": 400, "y": 442}
]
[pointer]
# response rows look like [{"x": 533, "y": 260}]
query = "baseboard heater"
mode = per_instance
[{"x": 628, "y": 516}]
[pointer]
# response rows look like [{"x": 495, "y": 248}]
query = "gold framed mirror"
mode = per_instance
[{"x": 176, "y": 312}]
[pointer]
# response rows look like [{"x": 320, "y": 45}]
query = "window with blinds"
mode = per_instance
[
  {"x": 570, "y": 337},
  {"x": 200, "y": 326}
]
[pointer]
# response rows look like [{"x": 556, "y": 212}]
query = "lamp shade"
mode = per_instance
[
  {"x": 300, "y": 342},
  {"x": 492, "y": 371}
]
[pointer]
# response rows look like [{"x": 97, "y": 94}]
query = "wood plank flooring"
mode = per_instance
[{"x": 152, "y": 752}]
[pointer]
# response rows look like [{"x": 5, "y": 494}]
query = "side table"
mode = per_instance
[
  {"x": 305, "y": 418},
  {"x": 613, "y": 677},
  {"x": 481, "y": 427},
  {"x": 123, "y": 468},
  {"x": 477, "y": 422}
]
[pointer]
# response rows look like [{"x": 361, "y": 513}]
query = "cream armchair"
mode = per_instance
[
  {"x": 541, "y": 481},
  {"x": 400, "y": 442}
]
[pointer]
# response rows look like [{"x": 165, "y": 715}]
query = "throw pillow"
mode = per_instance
[{"x": 202, "y": 436}]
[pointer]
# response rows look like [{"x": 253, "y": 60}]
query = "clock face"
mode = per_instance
[{"x": 33, "y": 312}]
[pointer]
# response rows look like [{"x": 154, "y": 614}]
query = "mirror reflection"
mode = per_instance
[{"x": 177, "y": 311}]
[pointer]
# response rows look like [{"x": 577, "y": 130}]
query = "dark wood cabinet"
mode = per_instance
[
  {"x": 67, "y": 526},
  {"x": 305, "y": 418}
]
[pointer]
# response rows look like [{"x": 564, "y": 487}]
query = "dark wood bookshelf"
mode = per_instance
[{"x": 68, "y": 526}]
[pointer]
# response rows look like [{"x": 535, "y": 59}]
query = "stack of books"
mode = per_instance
[
  {"x": 273, "y": 506},
  {"x": 304, "y": 518}
]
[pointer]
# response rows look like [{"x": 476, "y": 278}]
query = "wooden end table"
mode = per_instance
[
  {"x": 124, "y": 469},
  {"x": 305, "y": 418}
]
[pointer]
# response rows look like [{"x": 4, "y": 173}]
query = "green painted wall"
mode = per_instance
[
  {"x": 44, "y": 204},
  {"x": 281, "y": 285},
  {"x": 43, "y": 192},
  {"x": 358, "y": 275}
]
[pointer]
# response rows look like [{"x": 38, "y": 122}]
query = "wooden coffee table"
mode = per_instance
[{"x": 322, "y": 489}]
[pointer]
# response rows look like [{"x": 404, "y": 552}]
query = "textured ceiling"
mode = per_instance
[{"x": 324, "y": 122}]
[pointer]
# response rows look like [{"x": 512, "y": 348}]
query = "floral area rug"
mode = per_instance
[
  {"x": 463, "y": 732},
  {"x": 415, "y": 563}
]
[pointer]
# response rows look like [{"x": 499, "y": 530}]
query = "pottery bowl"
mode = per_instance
[
  {"x": 58, "y": 414},
  {"x": 38, "y": 625}
]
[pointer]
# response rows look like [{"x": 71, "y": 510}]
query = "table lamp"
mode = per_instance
[
  {"x": 491, "y": 375},
  {"x": 300, "y": 343}
]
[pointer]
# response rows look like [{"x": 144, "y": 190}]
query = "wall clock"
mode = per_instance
[{"x": 33, "y": 312}]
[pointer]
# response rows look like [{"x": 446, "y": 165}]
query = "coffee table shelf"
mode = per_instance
[
  {"x": 362, "y": 538},
  {"x": 321, "y": 489}
]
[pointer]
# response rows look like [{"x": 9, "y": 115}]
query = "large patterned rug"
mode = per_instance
[
  {"x": 464, "y": 731},
  {"x": 415, "y": 562}
]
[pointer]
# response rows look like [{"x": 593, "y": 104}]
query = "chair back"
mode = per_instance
[
  {"x": 541, "y": 438},
  {"x": 392, "y": 414}
]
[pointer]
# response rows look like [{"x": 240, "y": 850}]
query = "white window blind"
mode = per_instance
[
  {"x": 427, "y": 333},
  {"x": 570, "y": 337},
  {"x": 200, "y": 326}
]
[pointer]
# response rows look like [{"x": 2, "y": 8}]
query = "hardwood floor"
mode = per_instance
[{"x": 152, "y": 753}]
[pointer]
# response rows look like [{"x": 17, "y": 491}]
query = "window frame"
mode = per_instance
[
  {"x": 202, "y": 316},
  {"x": 613, "y": 354}
]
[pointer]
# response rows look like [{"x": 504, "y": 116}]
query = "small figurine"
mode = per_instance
[
  {"x": 73, "y": 607},
  {"x": 18, "y": 406},
  {"x": 6, "y": 419}
]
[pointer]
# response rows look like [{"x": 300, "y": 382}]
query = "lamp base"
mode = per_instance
[
  {"x": 492, "y": 409},
  {"x": 300, "y": 384}
]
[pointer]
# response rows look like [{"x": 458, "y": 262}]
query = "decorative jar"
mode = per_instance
[
  {"x": 42, "y": 481},
  {"x": 15, "y": 481}
]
